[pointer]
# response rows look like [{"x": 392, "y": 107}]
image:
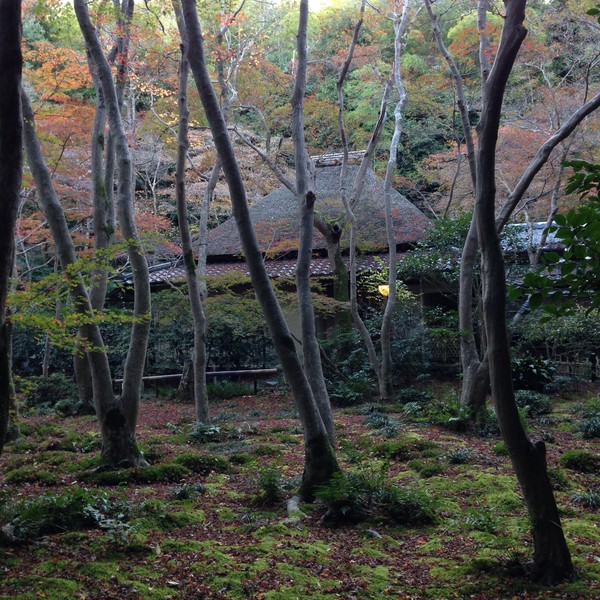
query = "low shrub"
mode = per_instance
[
  {"x": 481, "y": 520},
  {"x": 590, "y": 427},
  {"x": 76, "y": 508},
  {"x": 203, "y": 433},
  {"x": 535, "y": 402},
  {"x": 352, "y": 497},
  {"x": 44, "y": 395},
  {"x": 580, "y": 460},
  {"x": 589, "y": 499},
  {"x": 412, "y": 394},
  {"x": 186, "y": 492},
  {"x": 404, "y": 449},
  {"x": 460, "y": 456},
  {"x": 270, "y": 487},
  {"x": 532, "y": 372},
  {"x": 228, "y": 389},
  {"x": 387, "y": 426}
]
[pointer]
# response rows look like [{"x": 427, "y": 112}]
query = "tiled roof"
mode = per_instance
[{"x": 319, "y": 267}]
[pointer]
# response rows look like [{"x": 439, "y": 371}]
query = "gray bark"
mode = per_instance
[
  {"x": 11, "y": 170},
  {"x": 552, "y": 560},
  {"x": 194, "y": 291},
  {"x": 118, "y": 443},
  {"x": 136, "y": 355},
  {"x": 320, "y": 460},
  {"x": 306, "y": 203}
]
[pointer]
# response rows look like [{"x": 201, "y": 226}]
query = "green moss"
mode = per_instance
[
  {"x": 29, "y": 475},
  {"x": 580, "y": 460},
  {"x": 426, "y": 468},
  {"x": 406, "y": 449},
  {"x": 266, "y": 450},
  {"x": 54, "y": 588},
  {"x": 378, "y": 579},
  {"x": 500, "y": 449},
  {"x": 165, "y": 473},
  {"x": 241, "y": 459},
  {"x": 203, "y": 463},
  {"x": 505, "y": 501}
]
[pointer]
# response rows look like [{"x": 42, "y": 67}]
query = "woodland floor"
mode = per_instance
[{"x": 222, "y": 532}]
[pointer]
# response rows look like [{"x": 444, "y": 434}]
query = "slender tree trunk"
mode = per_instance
[
  {"x": 11, "y": 169},
  {"x": 118, "y": 443},
  {"x": 349, "y": 200},
  {"x": 136, "y": 355},
  {"x": 194, "y": 291},
  {"x": 320, "y": 460},
  {"x": 400, "y": 26},
  {"x": 306, "y": 202},
  {"x": 552, "y": 560}
]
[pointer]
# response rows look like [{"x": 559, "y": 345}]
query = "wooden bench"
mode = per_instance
[{"x": 255, "y": 374}]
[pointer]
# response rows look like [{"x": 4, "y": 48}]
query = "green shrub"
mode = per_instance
[
  {"x": 186, "y": 491},
  {"x": 203, "y": 433},
  {"x": 406, "y": 506},
  {"x": 270, "y": 488},
  {"x": 481, "y": 520},
  {"x": 580, "y": 460},
  {"x": 74, "y": 509},
  {"x": 532, "y": 372},
  {"x": 228, "y": 389},
  {"x": 590, "y": 427},
  {"x": 535, "y": 402},
  {"x": 590, "y": 499},
  {"x": 412, "y": 394},
  {"x": 55, "y": 393},
  {"x": 348, "y": 498},
  {"x": 460, "y": 456},
  {"x": 352, "y": 497},
  {"x": 500, "y": 449},
  {"x": 386, "y": 425}
]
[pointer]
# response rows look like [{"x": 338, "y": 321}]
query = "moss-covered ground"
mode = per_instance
[{"x": 209, "y": 520}]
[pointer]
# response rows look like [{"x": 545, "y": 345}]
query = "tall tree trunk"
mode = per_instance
[
  {"x": 11, "y": 170},
  {"x": 306, "y": 202},
  {"x": 118, "y": 443},
  {"x": 350, "y": 199},
  {"x": 400, "y": 27},
  {"x": 552, "y": 560},
  {"x": 136, "y": 355},
  {"x": 194, "y": 291},
  {"x": 320, "y": 460}
]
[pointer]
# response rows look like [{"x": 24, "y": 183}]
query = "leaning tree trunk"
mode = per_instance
[
  {"x": 104, "y": 227},
  {"x": 320, "y": 461},
  {"x": 11, "y": 170},
  {"x": 136, "y": 355},
  {"x": 194, "y": 291},
  {"x": 552, "y": 559},
  {"x": 118, "y": 443},
  {"x": 306, "y": 202}
]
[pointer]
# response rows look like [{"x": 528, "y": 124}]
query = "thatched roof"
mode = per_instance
[{"x": 276, "y": 221}]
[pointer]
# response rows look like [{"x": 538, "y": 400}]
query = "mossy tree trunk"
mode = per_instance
[
  {"x": 138, "y": 343},
  {"x": 118, "y": 442},
  {"x": 552, "y": 559},
  {"x": 320, "y": 461}
]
